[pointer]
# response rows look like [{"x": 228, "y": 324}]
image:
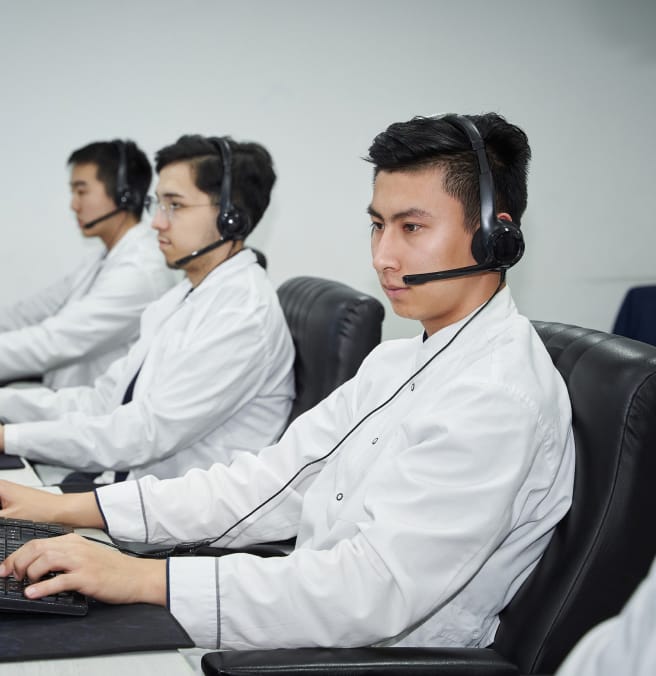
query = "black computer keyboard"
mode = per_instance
[{"x": 13, "y": 534}]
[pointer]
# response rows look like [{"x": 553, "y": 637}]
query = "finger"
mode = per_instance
[
  {"x": 39, "y": 556},
  {"x": 51, "y": 586},
  {"x": 16, "y": 564}
]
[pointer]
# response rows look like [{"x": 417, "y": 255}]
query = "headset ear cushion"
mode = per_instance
[
  {"x": 130, "y": 200},
  {"x": 504, "y": 246},
  {"x": 234, "y": 224},
  {"x": 508, "y": 244}
]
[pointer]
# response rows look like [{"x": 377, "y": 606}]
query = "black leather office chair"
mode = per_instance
[
  {"x": 334, "y": 328},
  {"x": 597, "y": 555}
]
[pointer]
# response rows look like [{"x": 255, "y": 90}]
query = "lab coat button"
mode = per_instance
[
  {"x": 412, "y": 387},
  {"x": 339, "y": 496},
  {"x": 374, "y": 440}
]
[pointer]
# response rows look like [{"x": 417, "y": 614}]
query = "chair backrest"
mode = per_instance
[
  {"x": 334, "y": 327},
  {"x": 604, "y": 546}
]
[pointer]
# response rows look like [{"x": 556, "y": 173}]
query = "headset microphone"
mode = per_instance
[
  {"x": 422, "y": 278},
  {"x": 498, "y": 244},
  {"x": 181, "y": 262},
  {"x": 509, "y": 235},
  {"x": 95, "y": 221}
]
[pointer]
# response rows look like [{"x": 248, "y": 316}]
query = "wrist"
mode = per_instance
[
  {"x": 78, "y": 509},
  {"x": 150, "y": 583}
]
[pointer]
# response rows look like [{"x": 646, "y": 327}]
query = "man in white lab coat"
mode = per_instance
[
  {"x": 212, "y": 372},
  {"x": 70, "y": 333},
  {"x": 421, "y": 493}
]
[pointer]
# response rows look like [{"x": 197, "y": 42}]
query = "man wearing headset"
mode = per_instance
[
  {"x": 72, "y": 331},
  {"x": 212, "y": 371},
  {"x": 421, "y": 493}
]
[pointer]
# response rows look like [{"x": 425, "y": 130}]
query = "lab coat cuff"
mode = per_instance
[
  {"x": 123, "y": 511},
  {"x": 100, "y": 509},
  {"x": 12, "y": 441},
  {"x": 194, "y": 598}
]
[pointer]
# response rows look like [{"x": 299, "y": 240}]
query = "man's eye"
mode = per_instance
[
  {"x": 174, "y": 205},
  {"x": 411, "y": 227},
  {"x": 376, "y": 226}
]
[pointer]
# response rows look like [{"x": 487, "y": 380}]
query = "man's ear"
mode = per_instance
[{"x": 504, "y": 216}]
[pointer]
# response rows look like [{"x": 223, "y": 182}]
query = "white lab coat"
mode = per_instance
[
  {"x": 418, "y": 530},
  {"x": 72, "y": 331},
  {"x": 216, "y": 378},
  {"x": 625, "y": 644}
]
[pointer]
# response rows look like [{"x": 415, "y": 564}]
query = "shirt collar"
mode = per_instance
[
  {"x": 231, "y": 266},
  {"x": 500, "y": 308}
]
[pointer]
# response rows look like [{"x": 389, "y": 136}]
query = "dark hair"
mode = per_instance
[
  {"x": 253, "y": 176},
  {"x": 434, "y": 142},
  {"x": 106, "y": 156}
]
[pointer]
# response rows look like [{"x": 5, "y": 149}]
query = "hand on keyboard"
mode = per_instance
[
  {"x": 86, "y": 567},
  {"x": 13, "y": 534}
]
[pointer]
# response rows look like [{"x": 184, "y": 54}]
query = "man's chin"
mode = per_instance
[{"x": 402, "y": 310}]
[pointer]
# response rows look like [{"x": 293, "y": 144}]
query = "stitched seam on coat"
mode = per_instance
[
  {"x": 143, "y": 511},
  {"x": 218, "y": 603}
]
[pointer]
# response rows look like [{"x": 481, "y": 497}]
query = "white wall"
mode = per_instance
[{"x": 315, "y": 82}]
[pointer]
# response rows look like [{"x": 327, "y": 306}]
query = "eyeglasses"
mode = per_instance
[{"x": 169, "y": 209}]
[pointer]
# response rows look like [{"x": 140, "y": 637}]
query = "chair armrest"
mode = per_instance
[
  {"x": 353, "y": 661},
  {"x": 266, "y": 549}
]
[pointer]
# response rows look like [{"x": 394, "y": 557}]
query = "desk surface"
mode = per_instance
[
  {"x": 25, "y": 476},
  {"x": 156, "y": 663},
  {"x": 168, "y": 663}
]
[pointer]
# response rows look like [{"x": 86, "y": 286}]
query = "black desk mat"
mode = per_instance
[
  {"x": 10, "y": 462},
  {"x": 106, "y": 629}
]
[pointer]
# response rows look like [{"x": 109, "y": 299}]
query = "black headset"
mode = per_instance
[
  {"x": 233, "y": 223},
  {"x": 497, "y": 243},
  {"x": 126, "y": 198}
]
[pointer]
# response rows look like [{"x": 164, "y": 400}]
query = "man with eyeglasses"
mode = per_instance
[
  {"x": 69, "y": 333},
  {"x": 212, "y": 371}
]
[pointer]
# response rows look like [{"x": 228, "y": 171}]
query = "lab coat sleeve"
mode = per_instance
[
  {"x": 436, "y": 511},
  {"x": 625, "y": 644},
  {"x": 84, "y": 326},
  {"x": 42, "y": 403},
  {"x": 193, "y": 388},
  {"x": 204, "y": 503},
  {"x": 37, "y": 307}
]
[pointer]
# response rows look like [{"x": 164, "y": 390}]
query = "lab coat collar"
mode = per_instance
[
  {"x": 230, "y": 267},
  {"x": 501, "y": 307}
]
